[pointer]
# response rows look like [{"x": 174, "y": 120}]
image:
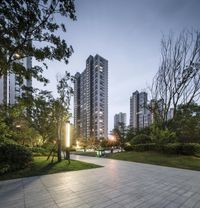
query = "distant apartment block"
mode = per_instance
[
  {"x": 120, "y": 121},
  {"x": 10, "y": 88},
  {"x": 140, "y": 116},
  {"x": 91, "y": 99}
]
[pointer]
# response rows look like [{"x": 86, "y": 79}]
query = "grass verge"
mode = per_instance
[
  {"x": 177, "y": 161},
  {"x": 41, "y": 166}
]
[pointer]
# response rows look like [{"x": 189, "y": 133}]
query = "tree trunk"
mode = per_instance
[
  {"x": 59, "y": 150},
  {"x": 59, "y": 143}
]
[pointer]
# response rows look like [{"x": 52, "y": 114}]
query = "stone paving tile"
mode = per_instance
[
  {"x": 12, "y": 204},
  {"x": 118, "y": 184}
]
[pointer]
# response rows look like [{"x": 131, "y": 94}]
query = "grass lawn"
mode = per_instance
[
  {"x": 41, "y": 166},
  {"x": 177, "y": 161}
]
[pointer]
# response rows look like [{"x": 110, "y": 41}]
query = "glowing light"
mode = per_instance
[
  {"x": 112, "y": 138},
  {"x": 77, "y": 144},
  {"x": 67, "y": 134},
  {"x": 17, "y": 55}
]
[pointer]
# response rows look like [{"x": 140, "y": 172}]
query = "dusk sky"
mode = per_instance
[{"x": 127, "y": 33}]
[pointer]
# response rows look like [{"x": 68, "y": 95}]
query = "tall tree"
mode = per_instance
[
  {"x": 62, "y": 107},
  {"x": 30, "y": 28},
  {"x": 42, "y": 115},
  {"x": 186, "y": 124},
  {"x": 15, "y": 124},
  {"x": 178, "y": 78}
]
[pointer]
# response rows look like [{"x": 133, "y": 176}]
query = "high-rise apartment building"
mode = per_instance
[
  {"x": 91, "y": 99},
  {"x": 119, "y": 120},
  {"x": 10, "y": 88},
  {"x": 134, "y": 109},
  {"x": 139, "y": 115}
]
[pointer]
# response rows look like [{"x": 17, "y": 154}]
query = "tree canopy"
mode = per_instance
[
  {"x": 178, "y": 78},
  {"x": 31, "y": 28}
]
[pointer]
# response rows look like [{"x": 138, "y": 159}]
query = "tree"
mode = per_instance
[
  {"x": 42, "y": 118},
  {"x": 131, "y": 132},
  {"x": 178, "y": 78},
  {"x": 30, "y": 29},
  {"x": 15, "y": 124},
  {"x": 186, "y": 124},
  {"x": 4, "y": 128},
  {"x": 61, "y": 107}
]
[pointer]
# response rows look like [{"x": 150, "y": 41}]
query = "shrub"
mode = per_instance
[
  {"x": 128, "y": 148},
  {"x": 144, "y": 147},
  {"x": 4, "y": 168},
  {"x": 72, "y": 149},
  {"x": 39, "y": 151},
  {"x": 197, "y": 150},
  {"x": 161, "y": 136},
  {"x": 190, "y": 149},
  {"x": 141, "y": 139},
  {"x": 183, "y": 149},
  {"x": 171, "y": 148},
  {"x": 15, "y": 156},
  {"x": 7, "y": 141}
]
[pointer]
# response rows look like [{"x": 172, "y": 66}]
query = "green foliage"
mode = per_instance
[
  {"x": 170, "y": 148},
  {"x": 39, "y": 151},
  {"x": 48, "y": 146},
  {"x": 4, "y": 168},
  {"x": 4, "y": 129},
  {"x": 191, "y": 149},
  {"x": 128, "y": 148},
  {"x": 160, "y": 136},
  {"x": 156, "y": 158},
  {"x": 15, "y": 156},
  {"x": 186, "y": 123},
  {"x": 30, "y": 29},
  {"x": 7, "y": 141},
  {"x": 43, "y": 115},
  {"x": 15, "y": 124},
  {"x": 144, "y": 147},
  {"x": 61, "y": 107},
  {"x": 130, "y": 134},
  {"x": 41, "y": 166},
  {"x": 72, "y": 149},
  {"x": 140, "y": 139}
]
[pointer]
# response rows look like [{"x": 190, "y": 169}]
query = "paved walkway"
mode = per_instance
[{"x": 118, "y": 184}]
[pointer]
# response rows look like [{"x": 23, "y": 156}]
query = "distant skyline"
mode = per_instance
[{"x": 126, "y": 33}]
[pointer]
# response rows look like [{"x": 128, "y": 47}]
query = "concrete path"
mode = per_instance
[{"x": 118, "y": 184}]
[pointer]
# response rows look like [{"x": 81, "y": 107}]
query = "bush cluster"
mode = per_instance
[
  {"x": 141, "y": 139},
  {"x": 144, "y": 147},
  {"x": 128, "y": 148},
  {"x": 170, "y": 148},
  {"x": 14, "y": 157},
  {"x": 39, "y": 151}
]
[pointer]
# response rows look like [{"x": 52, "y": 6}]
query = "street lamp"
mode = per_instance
[
  {"x": 77, "y": 144},
  {"x": 68, "y": 135}
]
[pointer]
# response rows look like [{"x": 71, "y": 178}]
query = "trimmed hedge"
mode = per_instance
[
  {"x": 191, "y": 149},
  {"x": 128, "y": 148},
  {"x": 171, "y": 148},
  {"x": 144, "y": 147},
  {"x": 14, "y": 157}
]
